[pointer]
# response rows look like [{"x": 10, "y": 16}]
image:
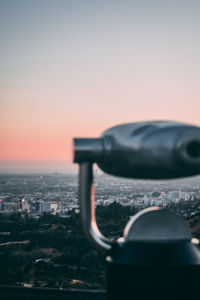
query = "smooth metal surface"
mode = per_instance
[
  {"x": 87, "y": 208},
  {"x": 152, "y": 150},
  {"x": 146, "y": 150},
  {"x": 155, "y": 224},
  {"x": 88, "y": 150}
]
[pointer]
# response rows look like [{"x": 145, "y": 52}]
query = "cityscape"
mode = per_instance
[
  {"x": 58, "y": 193},
  {"x": 41, "y": 233}
]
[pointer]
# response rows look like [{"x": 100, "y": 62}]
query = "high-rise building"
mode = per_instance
[
  {"x": 44, "y": 206},
  {"x": 25, "y": 207}
]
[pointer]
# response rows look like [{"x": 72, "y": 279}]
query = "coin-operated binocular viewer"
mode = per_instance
[{"x": 157, "y": 258}]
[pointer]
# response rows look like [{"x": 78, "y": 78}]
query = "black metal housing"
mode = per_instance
[{"x": 146, "y": 150}]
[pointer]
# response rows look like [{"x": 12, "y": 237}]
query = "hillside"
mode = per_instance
[
  {"x": 52, "y": 251},
  {"x": 194, "y": 223}
]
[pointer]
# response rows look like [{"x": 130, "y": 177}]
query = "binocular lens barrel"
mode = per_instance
[{"x": 146, "y": 150}]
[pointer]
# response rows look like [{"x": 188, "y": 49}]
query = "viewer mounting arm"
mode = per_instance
[{"x": 87, "y": 208}]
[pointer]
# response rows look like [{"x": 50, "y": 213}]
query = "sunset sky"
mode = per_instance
[{"x": 74, "y": 68}]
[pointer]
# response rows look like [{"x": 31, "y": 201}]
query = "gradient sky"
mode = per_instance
[{"x": 75, "y": 68}]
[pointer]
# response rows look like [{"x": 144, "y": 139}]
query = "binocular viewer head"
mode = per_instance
[{"x": 145, "y": 150}]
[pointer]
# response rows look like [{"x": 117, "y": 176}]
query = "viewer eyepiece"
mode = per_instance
[{"x": 88, "y": 149}]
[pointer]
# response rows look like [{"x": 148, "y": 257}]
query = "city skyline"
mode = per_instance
[{"x": 73, "y": 69}]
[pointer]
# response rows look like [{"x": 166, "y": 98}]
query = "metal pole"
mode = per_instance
[{"x": 87, "y": 208}]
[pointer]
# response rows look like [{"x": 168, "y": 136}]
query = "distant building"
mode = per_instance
[
  {"x": 8, "y": 207},
  {"x": 44, "y": 207},
  {"x": 47, "y": 207},
  {"x": 54, "y": 207},
  {"x": 25, "y": 207}
]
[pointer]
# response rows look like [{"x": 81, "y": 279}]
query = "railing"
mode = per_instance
[{"x": 22, "y": 293}]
